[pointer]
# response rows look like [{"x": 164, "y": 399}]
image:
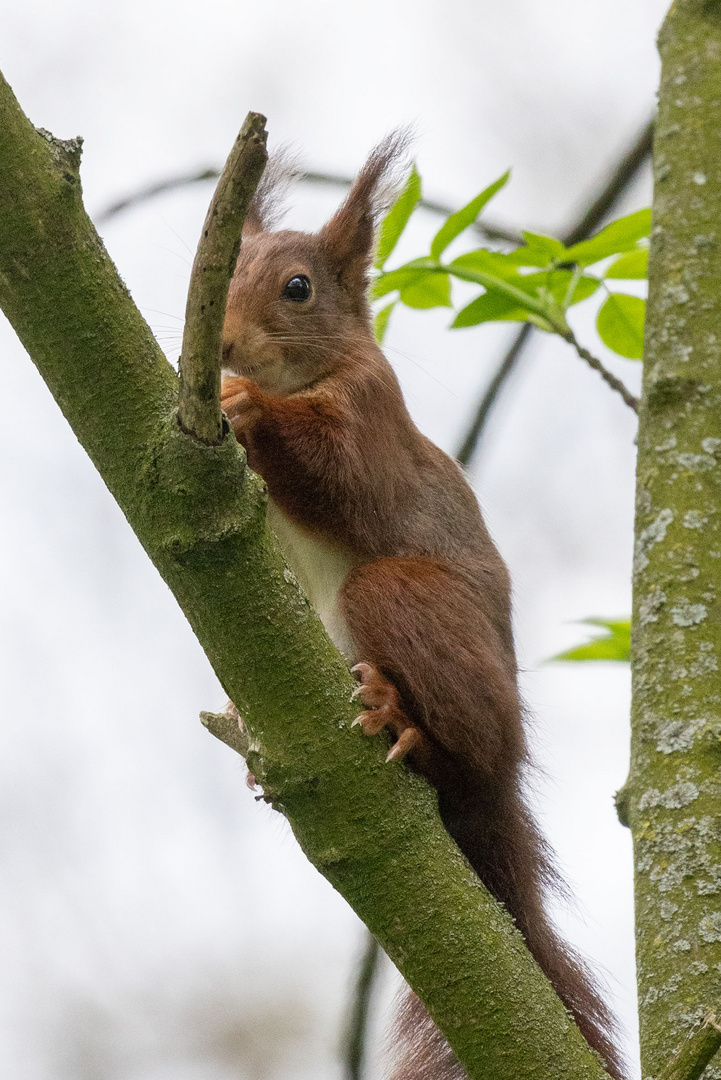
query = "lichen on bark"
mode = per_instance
[{"x": 673, "y": 796}]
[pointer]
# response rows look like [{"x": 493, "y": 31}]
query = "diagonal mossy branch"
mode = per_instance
[{"x": 371, "y": 829}]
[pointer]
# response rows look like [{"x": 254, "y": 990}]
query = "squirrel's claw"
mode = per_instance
[
  {"x": 374, "y": 689},
  {"x": 384, "y": 711},
  {"x": 372, "y": 721},
  {"x": 406, "y": 741}
]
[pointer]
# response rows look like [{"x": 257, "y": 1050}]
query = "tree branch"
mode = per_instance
[
  {"x": 151, "y": 191},
  {"x": 695, "y": 1054},
  {"x": 618, "y": 182},
  {"x": 487, "y": 230},
  {"x": 354, "y": 1042},
  {"x": 372, "y": 830},
  {"x": 201, "y": 355},
  {"x": 608, "y": 377},
  {"x": 471, "y": 439}
]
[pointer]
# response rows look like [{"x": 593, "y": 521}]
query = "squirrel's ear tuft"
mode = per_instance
[
  {"x": 348, "y": 237},
  {"x": 266, "y": 207}
]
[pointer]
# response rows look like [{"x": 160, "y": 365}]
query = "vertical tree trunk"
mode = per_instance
[{"x": 673, "y": 798}]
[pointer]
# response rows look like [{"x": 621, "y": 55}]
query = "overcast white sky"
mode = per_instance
[{"x": 157, "y": 921}]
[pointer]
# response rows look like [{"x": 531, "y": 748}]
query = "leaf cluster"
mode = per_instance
[{"x": 536, "y": 282}]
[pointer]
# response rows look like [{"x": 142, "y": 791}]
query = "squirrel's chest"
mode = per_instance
[{"x": 321, "y": 567}]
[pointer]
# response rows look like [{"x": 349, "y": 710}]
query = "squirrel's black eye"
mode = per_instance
[{"x": 298, "y": 288}]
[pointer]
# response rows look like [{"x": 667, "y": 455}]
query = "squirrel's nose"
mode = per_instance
[{"x": 227, "y": 351}]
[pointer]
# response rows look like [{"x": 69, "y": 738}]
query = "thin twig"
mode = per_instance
[
  {"x": 227, "y": 727},
  {"x": 603, "y": 371},
  {"x": 150, "y": 192},
  {"x": 620, "y": 179},
  {"x": 355, "y": 1039},
  {"x": 487, "y": 230},
  {"x": 468, "y": 446},
  {"x": 696, "y": 1053},
  {"x": 625, "y": 172},
  {"x": 200, "y": 359}
]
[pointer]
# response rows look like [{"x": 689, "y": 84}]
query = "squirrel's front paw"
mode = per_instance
[
  {"x": 385, "y": 711},
  {"x": 239, "y": 402}
]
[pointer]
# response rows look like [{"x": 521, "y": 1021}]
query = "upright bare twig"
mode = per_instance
[{"x": 200, "y": 359}]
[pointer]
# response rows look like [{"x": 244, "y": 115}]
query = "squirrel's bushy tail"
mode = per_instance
[{"x": 508, "y": 853}]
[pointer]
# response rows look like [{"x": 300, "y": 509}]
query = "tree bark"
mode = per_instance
[
  {"x": 672, "y": 800},
  {"x": 373, "y": 830}
]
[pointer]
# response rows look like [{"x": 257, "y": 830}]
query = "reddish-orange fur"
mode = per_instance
[{"x": 426, "y": 597}]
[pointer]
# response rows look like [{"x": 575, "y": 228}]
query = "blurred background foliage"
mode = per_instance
[
  {"x": 157, "y": 921},
  {"x": 613, "y": 644}
]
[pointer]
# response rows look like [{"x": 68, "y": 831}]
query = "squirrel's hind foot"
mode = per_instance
[{"x": 384, "y": 710}]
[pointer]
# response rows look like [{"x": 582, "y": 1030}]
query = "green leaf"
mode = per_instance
[
  {"x": 511, "y": 290},
  {"x": 492, "y": 262},
  {"x": 388, "y": 283},
  {"x": 615, "y": 644},
  {"x": 456, "y": 223},
  {"x": 489, "y": 307},
  {"x": 632, "y": 265},
  {"x": 503, "y": 266},
  {"x": 397, "y": 218},
  {"x": 380, "y": 321},
  {"x": 558, "y": 282},
  {"x": 432, "y": 289},
  {"x": 620, "y": 324},
  {"x": 544, "y": 247},
  {"x": 497, "y": 306},
  {"x": 585, "y": 286},
  {"x": 538, "y": 251},
  {"x": 404, "y": 275},
  {"x": 619, "y": 236}
]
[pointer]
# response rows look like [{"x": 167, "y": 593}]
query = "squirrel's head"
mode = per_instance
[{"x": 298, "y": 303}]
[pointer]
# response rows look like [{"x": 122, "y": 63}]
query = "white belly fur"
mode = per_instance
[{"x": 321, "y": 567}]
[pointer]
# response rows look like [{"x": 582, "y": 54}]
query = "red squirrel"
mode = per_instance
[{"x": 387, "y": 538}]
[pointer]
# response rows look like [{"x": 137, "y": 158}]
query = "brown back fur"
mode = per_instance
[{"x": 427, "y": 598}]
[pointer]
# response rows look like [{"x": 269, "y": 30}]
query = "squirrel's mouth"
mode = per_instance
[{"x": 243, "y": 361}]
